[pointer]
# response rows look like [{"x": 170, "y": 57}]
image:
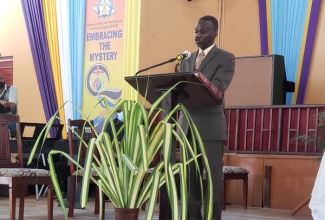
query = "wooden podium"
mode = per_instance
[
  {"x": 191, "y": 93},
  {"x": 188, "y": 92}
]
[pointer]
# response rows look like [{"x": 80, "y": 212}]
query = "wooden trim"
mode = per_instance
[
  {"x": 267, "y": 187},
  {"x": 6, "y": 67},
  {"x": 271, "y": 156},
  {"x": 300, "y": 205}
]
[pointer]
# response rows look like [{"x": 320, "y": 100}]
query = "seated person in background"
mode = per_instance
[
  {"x": 118, "y": 122},
  {"x": 8, "y": 102}
]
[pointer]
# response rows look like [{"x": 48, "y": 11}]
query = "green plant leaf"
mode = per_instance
[{"x": 122, "y": 168}]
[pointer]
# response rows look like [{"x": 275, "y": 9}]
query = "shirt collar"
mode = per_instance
[
  {"x": 4, "y": 89},
  {"x": 207, "y": 50}
]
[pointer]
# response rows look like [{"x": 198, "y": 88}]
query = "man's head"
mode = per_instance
[
  {"x": 2, "y": 81},
  {"x": 206, "y": 31}
]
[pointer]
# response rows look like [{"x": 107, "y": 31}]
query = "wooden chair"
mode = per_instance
[
  {"x": 13, "y": 173},
  {"x": 235, "y": 173},
  {"x": 79, "y": 127}
]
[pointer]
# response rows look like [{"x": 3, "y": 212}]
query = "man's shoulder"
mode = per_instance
[
  {"x": 11, "y": 88},
  {"x": 224, "y": 52}
]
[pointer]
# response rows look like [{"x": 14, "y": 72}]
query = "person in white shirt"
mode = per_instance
[{"x": 317, "y": 201}]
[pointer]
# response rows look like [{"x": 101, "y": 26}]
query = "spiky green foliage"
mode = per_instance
[{"x": 123, "y": 165}]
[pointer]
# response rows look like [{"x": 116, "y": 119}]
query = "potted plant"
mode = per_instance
[{"x": 123, "y": 165}]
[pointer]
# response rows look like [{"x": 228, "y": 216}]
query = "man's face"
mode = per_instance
[
  {"x": 2, "y": 81},
  {"x": 204, "y": 34}
]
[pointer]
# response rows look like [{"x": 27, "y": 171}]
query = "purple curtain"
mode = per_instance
[
  {"x": 33, "y": 13},
  {"x": 312, "y": 27},
  {"x": 263, "y": 27}
]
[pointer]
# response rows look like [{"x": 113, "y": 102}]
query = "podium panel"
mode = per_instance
[
  {"x": 258, "y": 80},
  {"x": 191, "y": 93}
]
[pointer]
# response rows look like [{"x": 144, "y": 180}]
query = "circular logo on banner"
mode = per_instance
[
  {"x": 97, "y": 79},
  {"x": 104, "y": 8}
]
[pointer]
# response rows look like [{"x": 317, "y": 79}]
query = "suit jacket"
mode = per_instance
[{"x": 218, "y": 66}]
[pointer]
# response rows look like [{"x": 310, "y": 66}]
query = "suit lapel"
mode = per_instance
[
  {"x": 192, "y": 60},
  {"x": 212, "y": 53}
]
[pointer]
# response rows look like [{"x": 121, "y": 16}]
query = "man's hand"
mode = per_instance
[{"x": 5, "y": 104}]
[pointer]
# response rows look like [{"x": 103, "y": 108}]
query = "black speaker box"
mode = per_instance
[{"x": 259, "y": 80}]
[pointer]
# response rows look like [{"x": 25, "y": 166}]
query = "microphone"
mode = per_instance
[
  {"x": 184, "y": 55},
  {"x": 179, "y": 57}
]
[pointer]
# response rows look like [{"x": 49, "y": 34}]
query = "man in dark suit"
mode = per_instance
[{"x": 218, "y": 66}]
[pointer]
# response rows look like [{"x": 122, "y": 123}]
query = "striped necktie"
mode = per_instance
[{"x": 199, "y": 61}]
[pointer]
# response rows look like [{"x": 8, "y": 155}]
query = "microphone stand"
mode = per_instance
[{"x": 159, "y": 64}]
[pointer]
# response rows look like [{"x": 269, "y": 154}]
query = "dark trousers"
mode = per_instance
[{"x": 214, "y": 152}]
